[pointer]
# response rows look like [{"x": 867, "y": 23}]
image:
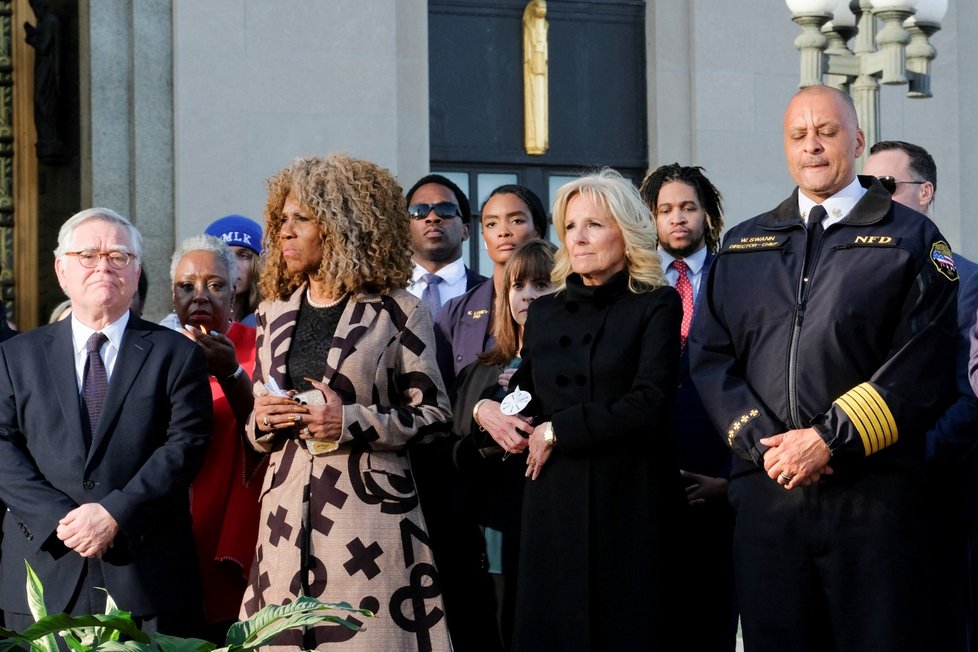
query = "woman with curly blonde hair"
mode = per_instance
[
  {"x": 346, "y": 378},
  {"x": 604, "y": 505}
]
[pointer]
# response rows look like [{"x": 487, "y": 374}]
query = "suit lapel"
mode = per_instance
[
  {"x": 59, "y": 357},
  {"x": 132, "y": 354},
  {"x": 704, "y": 277}
]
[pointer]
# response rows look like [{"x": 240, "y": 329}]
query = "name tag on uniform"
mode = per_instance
[{"x": 755, "y": 242}]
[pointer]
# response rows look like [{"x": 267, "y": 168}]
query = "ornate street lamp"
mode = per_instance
[{"x": 898, "y": 53}]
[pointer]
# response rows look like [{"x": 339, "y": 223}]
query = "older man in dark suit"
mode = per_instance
[{"x": 104, "y": 419}]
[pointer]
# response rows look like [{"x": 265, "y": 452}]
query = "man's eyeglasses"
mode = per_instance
[
  {"x": 90, "y": 258},
  {"x": 446, "y": 210},
  {"x": 890, "y": 183}
]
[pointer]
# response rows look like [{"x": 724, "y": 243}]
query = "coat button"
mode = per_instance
[{"x": 88, "y": 484}]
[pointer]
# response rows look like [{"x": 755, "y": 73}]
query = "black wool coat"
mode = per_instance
[{"x": 601, "y": 525}]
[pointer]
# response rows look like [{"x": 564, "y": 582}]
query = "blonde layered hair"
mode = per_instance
[
  {"x": 616, "y": 193},
  {"x": 363, "y": 224}
]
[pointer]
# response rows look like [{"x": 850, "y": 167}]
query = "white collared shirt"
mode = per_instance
[
  {"x": 110, "y": 350},
  {"x": 836, "y": 207},
  {"x": 694, "y": 262},
  {"x": 451, "y": 286}
]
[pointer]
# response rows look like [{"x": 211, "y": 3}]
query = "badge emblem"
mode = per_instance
[
  {"x": 940, "y": 253},
  {"x": 515, "y": 401}
]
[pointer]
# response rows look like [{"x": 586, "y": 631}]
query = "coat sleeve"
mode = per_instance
[
  {"x": 263, "y": 442},
  {"x": 648, "y": 401},
  {"x": 170, "y": 469},
  {"x": 738, "y": 413},
  {"x": 913, "y": 385},
  {"x": 956, "y": 432},
  {"x": 416, "y": 407},
  {"x": 24, "y": 489}
]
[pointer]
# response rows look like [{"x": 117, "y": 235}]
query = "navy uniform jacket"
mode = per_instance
[
  {"x": 952, "y": 444},
  {"x": 863, "y": 352},
  {"x": 147, "y": 447},
  {"x": 462, "y": 328}
]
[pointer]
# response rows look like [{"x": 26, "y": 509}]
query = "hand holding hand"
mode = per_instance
[
  {"x": 538, "y": 452},
  {"x": 507, "y": 431},
  {"x": 274, "y": 412},
  {"x": 88, "y": 529},
  {"x": 325, "y": 421},
  {"x": 797, "y": 458}
]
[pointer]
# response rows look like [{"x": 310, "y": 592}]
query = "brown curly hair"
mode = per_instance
[{"x": 363, "y": 223}]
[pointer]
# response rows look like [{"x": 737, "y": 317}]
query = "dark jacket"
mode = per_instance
[
  {"x": 600, "y": 524},
  {"x": 462, "y": 331},
  {"x": 862, "y": 351},
  {"x": 148, "y": 445},
  {"x": 701, "y": 449}
]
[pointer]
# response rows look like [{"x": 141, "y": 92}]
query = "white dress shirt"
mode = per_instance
[
  {"x": 80, "y": 333},
  {"x": 452, "y": 283},
  {"x": 836, "y": 207},
  {"x": 694, "y": 262}
]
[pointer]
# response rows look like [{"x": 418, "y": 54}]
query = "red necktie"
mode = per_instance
[{"x": 685, "y": 289}]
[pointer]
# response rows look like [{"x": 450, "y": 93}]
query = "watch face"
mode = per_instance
[{"x": 515, "y": 401}]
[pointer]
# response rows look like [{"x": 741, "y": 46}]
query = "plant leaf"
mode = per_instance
[
  {"x": 35, "y": 600},
  {"x": 125, "y": 646},
  {"x": 272, "y": 620},
  {"x": 168, "y": 643},
  {"x": 57, "y": 622},
  {"x": 11, "y": 640}
]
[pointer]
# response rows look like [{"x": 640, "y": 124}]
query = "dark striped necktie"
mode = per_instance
[{"x": 95, "y": 384}]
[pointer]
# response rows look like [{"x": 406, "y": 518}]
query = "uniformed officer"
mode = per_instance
[{"x": 823, "y": 352}]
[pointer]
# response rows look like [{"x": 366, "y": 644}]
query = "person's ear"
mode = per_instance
[{"x": 926, "y": 190}]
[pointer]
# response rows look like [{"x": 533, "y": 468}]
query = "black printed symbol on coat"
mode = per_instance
[
  {"x": 316, "y": 575},
  {"x": 424, "y": 586},
  {"x": 362, "y": 558},
  {"x": 278, "y": 526}
]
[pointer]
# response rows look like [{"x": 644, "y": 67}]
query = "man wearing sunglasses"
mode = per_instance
[
  {"x": 439, "y": 215},
  {"x": 909, "y": 172}
]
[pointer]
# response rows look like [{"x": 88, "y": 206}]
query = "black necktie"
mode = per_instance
[
  {"x": 95, "y": 384},
  {"x": 815, "y": 217},
  {"x": 815, "y": 228}
]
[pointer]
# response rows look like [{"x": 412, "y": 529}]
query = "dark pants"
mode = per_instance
[
  {"x": 839, "y": 566},
  {"x": 709, "y": 577},
  {"x": 950, "y": 584}
]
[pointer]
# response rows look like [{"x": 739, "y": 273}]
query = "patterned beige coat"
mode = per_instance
[{"x": 368, "y": 543}]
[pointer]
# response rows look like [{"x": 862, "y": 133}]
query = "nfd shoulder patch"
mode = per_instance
[{"x": 940, "y": 254}]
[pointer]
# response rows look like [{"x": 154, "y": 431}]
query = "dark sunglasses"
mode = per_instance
[
  {"x": 891, "y": 183},
  {"x": 443, "y": 209}
]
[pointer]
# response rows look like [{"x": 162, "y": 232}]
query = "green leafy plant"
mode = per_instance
[{"x": 105, "y": 631}]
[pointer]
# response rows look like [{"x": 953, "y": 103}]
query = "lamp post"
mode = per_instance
[{"x": 898, "y": 53}]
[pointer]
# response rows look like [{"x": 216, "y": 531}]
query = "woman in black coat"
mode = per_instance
[{"x": 604, "y": 509}]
